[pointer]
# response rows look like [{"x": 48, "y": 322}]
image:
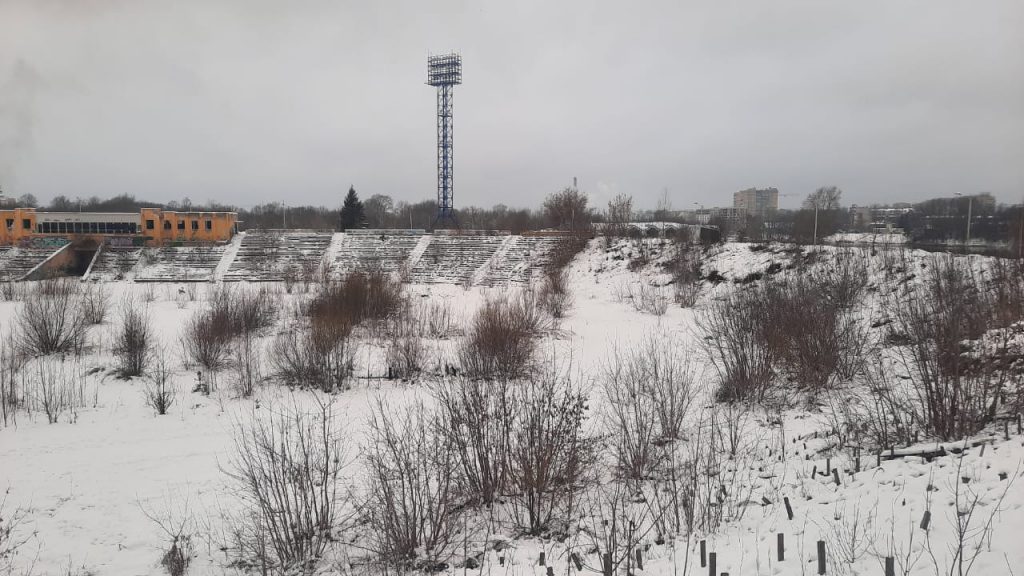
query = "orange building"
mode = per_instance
[{"x": 150, "y": 226}]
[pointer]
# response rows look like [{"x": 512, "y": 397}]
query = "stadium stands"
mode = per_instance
[
  {"x": 387, "y": 250},
  {"x": 179, "y": 263},
  {"x": 455, "y": 257},
  {"x": 273, "y": 254}
]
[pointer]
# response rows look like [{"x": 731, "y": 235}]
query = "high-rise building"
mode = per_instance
[{"x": 756, "y": 201}]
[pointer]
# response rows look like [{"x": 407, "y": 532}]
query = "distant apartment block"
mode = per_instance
[{"x": 756, "y": 201}]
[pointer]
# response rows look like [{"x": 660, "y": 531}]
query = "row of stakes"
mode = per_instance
[{"x": 710, "y": 560}]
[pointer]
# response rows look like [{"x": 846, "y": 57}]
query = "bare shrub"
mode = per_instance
[
  {"x": 159, "y": 391},
  {"x": 12, "y": 535},
  {"x": 958, "y": 395},
  {"x": 549, "y": 453},
  {"x": 11, "y": 291},
  {"x": 649, "y": 390},
  {"x": 95, "y": 302},
  {"x": 133, "y": 342},
  {"x": 206, "y": 340},
  {"x": 51, "y": 320},
  {"x": 10, "y": 366},
  {"x": 736, "y": 338},
  {"x": 814, "y": 334},
  {"x": 477, "y": 417},
  {"x": 321, "y": 356},
  {"x": 177, "y": 525},
  {"x": 646, "y": 298},
  {"x": 287, "y": 469},
  {"x": 434, "y": 318},
  {"x": 565, "y": 250},
  {"x": 404, "y": 354},
  {"x": 411, "y": 509},
  {"x": 500, "y": 342},
  {"x": 360, "y": 297},
  {"x": 246, "y": 364},
  {"x": 54, "y": 386},
  {"x": 554, "y": 296},
  {"x": 686, "y": 266}
]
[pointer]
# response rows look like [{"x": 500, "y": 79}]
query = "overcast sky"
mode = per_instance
[{"x": 249, "y": 101}]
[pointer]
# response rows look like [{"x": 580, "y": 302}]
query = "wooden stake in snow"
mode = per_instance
[
  {"x": 639, "y": 560},
  {"x": 890, "y": 566},
  {"x": 927, "y": 518},
  {"x": 541, "y": 558},
  {"x": 576, "y": 560},
  {"x": 607, "y": 564},
  {"x": 703, "y": 554},
  {"x": 782, "y": 547},
  {"x": 789, "y": 509},
  {"x": 821, "y": 556},
  {"x": 712, "y": 564},
  {"x": 835, "y": 475}
]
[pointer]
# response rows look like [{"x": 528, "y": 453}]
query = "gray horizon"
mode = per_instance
[{"x": 252, "y": 102}]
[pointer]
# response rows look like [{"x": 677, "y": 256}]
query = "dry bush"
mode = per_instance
[
  {"x": 736, "y": 338},
  {"x": 615, "y": 523},
  {"x": 159, "y": 391},
  {"x": 134, "y": 340},
  {"x": 554, "y": 296},
  {"x": 207, "y": 342},
  {"x": 321, "y": 356},
  {"x": 685, "y": 266},
  {"x": 814, "y": 334},
  {"x": 95, "y": 302},
  {"x": 404, "y": 353},
  {"x": 177, "y": 525},
  {"x": 649, "y": 390},
  {"x": 565, "y": 250},
  {"x": 645, "y": 297},
  {"x": 358, "y": 298},
  {"x": 501, "y": 339},
  {"x": 51, "y": 320},
  {"x": 434, "y": 318},
  {"x": 12, "y": 536},
  {"x": 246, "y": 364},
  {"x": 410, "y": 506},
  {"x": 846, "y": 278},
  {"x": 53, "y": 386},
  {"x": 477, "y": 418},
  {"x": 10, "y": 367},
  {"x": 286, "y": 468},
  {"x": 230, "y": 313},
  {"x": 11, "y": 291},
  {"x": 958, "y": 396},
  {"x": 549, "y": 453}
]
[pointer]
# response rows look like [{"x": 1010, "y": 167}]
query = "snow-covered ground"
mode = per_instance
[{"x": 88, "y": 484}]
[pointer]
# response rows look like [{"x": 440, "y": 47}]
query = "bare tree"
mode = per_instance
[
  {"x": 160, "y": 391},
  {"x": 51, "y": 320}
]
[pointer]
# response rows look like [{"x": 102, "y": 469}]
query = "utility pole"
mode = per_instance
[
  {"x": 970, "y": 206},
  {"x": 815, "y": 222}
]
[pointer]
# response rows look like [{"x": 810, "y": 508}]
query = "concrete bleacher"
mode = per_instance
[
  {"x": 270, "y": 255},
  {"x": 456, "y": 257},
  {"x": 520, "y": 261},
  {"x": 17, "y": 261},
  {"x": 386, "y": 250},
  {"x": 179, "y": 264},
  {"x": 114, "y": 263}
]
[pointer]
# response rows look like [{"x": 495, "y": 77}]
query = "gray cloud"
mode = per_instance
[{"x": 247, "y": 102}]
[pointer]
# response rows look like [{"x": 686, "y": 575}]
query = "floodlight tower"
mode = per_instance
[{"x": 444, "y": 72}]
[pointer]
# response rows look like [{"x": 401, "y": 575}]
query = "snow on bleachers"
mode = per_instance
[
  {"x": 455, "y": 257},
  {"x": 272, "y": 254},
  {"x": 115, "y": 262},
  {"x": 17, "y": 261},
  {"x": 520, "y": 261},
  {"x": 179, "y": 263},
  {"x": 386, "y": 250}
]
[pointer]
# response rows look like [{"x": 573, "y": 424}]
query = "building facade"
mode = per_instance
[
  {"x": 149, "y": 226},
  {"x": 756, "y": 201}
]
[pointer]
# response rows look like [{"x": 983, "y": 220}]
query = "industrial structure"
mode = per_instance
[{"x": 444, "y": 72}]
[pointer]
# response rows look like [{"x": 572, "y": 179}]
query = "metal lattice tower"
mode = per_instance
[{"x": 444, "y": 72}]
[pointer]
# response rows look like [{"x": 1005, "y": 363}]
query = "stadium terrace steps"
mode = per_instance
[
  {"x": 17, "y": 261},
  {"x": 521, "y": 259},
  {"x": 179, "y": 263},
  {"x": 455, "y": 257},
  {"x": 272, "y": 255},
  {"x": 114, "y": 263},
  {"x": 385, "y": 250}
]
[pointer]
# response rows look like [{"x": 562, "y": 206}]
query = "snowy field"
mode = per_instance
[{"x": 95, "y": 491}]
